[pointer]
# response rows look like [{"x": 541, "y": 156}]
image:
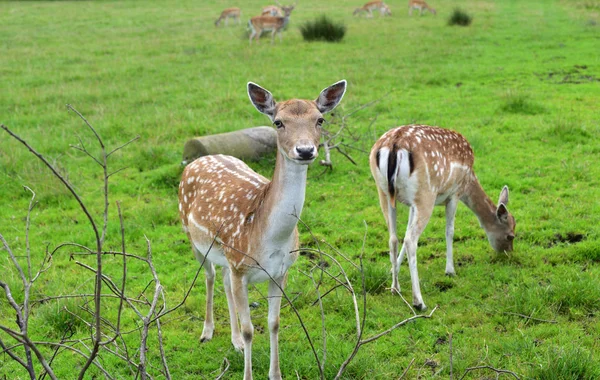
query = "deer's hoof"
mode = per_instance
[{"x": 420, "y": 307}]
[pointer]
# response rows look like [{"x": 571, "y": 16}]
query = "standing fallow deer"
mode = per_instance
[
  {"x": 423, "y": 166},
  {"x": 274, "y": 24},
  {"x": 275, "y": 10},
  {"x": 371, "y": 6},
  {"x": 235, "y": 218},
  {"x": 419, "y": 5},
  {"x": 234, "y": 13}
]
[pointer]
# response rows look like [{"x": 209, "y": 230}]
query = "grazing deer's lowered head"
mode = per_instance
[
  {"x": 371, "y": 6},
  {"x": 228, "y": 13},
  {"x": 419, "y": 5}
]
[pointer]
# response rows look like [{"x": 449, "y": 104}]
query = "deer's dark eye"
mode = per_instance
[
  {"x": 278, "y": 124},
  {"x": 320, "y": 121}
]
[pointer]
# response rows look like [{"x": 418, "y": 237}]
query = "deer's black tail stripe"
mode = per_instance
[{"x": 391, "y": 169}]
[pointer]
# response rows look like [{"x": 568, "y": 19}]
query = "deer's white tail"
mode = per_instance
[{"x": 394, "y": 167}]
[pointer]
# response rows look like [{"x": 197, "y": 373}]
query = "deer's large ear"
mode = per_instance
[
  {"x": 503, "y": 196},
  {"x": 502, "y": 213},
  {"x": 262, "y": 99},
  {"x": 330, "y": 97}
]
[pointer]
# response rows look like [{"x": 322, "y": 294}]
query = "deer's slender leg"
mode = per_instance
[
  {"x": 421, "y": 215},
  {"x": 450, "y": 215},
  {"x": 239, "y": 288},
  {"x": 209, "y": 325},
  {"x": 275, "y": 295},
  {"x": 236, "y": 336}
]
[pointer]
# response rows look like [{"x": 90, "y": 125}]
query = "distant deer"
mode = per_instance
[
  {"x": 274, "y": 24},
  {"x": 371, "y": 6},
  {"x": 239, "y": 220},
  {"x": 234, "y": 13},
  {"x": 419, "y": 5},
  {"x": 423, "y": 166},
  {"x": 275, "y": 10}
]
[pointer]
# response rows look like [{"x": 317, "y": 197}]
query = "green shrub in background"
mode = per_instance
[
  {"x": 460, "y": 17},
  {"x": 323, "y": 29}
]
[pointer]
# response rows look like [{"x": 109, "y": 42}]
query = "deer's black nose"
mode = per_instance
[{"x": 305, "y": 152}]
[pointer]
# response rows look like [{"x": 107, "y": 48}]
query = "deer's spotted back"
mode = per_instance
[
  {"x": 219, "y": 195},
  {"x": 442, "y": 158}
]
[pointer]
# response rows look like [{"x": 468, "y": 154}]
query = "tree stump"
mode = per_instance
[{"x": 246, "y": 144}]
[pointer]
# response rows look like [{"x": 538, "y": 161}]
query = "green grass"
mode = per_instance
[{"x": 521, "y": 83}]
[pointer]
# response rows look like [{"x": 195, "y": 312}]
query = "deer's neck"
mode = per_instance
[
  {"x": 284, "y": 199},
  {"x": 482, "y": 206}
]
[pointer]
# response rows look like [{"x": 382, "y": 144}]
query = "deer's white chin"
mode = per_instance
[{"x": 304, "y": 162}]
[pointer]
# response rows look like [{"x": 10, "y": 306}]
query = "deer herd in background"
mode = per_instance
[{"x": 274, "y": 18}]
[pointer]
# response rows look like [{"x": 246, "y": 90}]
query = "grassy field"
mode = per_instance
[{"x": 522, "y": 84}]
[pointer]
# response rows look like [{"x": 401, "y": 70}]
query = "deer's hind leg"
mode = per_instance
[{"x": 389, "y": 213}]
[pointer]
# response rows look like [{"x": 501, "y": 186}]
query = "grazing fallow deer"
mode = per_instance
[
  {"x": 371, "y": 6},
  {"x": 228, "y": 13},
  {"x": 419, "y": 5},
  {"x": 423, "y": 166},
  {"x": 274, "y": 24},
  {"x": 237, "y": 219}
]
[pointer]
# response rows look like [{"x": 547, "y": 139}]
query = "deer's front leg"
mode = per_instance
[
  {"x": 239, "y": 287},
  {"x": 236, "y": 336},
  {"x": 275, "y": 295},
  {"x": 209, "y": 325},
  {"x": 450, "y": 214}
]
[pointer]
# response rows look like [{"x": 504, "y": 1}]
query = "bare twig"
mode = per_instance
[
  {"x": 226, "y": 363},
  {"x": 499, "y": 371},
  {"x": 407, "y": 368},
  {"x": 450, "y": 349},
  {"x": 122, "y": 146},
  {"x": 123, "y": 281},
  {"x": 161, "y": 347},
  {"x": 529, "y": 317}
]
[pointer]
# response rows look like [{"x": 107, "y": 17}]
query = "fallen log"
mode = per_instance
[{"x": 246, "y": 144}]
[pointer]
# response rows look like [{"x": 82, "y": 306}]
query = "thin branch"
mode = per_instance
[
  {"x": 407, "y": 368},
  {"x": 226, "y": 362},
  {"x": 24, "y": 339},
  {"x": 161, "y": 347},
  {"x": 58, "y": 175},
  {"x": 124, "y": 278},
  {"x": 8, "y": 350},
  {"x": 450, "y": 349},
  {"x": 117, "y": 171},
  {"x": 364, "y": 319},
  {"x": 122, "y": 146},
  {"x": 529, "y": 317},
  {"x": 490, "y": 368},
  {"x": 88, "y": 295}
]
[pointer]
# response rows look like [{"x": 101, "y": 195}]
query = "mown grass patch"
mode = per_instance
[
  {"x": 520, "y": 103},
  {"x": 567, "y": 363}
]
